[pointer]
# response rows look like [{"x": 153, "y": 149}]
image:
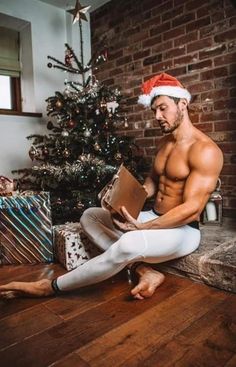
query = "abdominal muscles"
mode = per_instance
[{"x": 169, "y": 195}]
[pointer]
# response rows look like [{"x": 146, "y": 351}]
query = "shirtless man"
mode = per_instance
[{"x": 184, "y": 174}]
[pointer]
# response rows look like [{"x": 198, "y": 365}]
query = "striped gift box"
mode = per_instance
[{"x": 25, "y": 229}]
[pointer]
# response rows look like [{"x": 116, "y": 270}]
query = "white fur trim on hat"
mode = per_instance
[{"x": 178, "y": 92}]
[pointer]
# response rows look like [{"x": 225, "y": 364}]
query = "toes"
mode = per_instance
[
  {"x": 142, "y": 291},
  {"x": 136, "y": 289},
  {"x": 138, "y": 296},
  {"x": 139, "y": 292},
  {"x": 9, "y": 294}
]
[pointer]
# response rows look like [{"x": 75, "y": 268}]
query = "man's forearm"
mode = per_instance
[{"x": 176, "y": 217}]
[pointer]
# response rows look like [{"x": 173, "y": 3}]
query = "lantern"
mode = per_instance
[{"x": 213, "y": 210}]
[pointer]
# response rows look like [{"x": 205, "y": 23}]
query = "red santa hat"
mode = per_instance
[{"x": 162, "y": 85}]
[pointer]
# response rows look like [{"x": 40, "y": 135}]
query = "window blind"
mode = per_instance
[{"x": 9, "y": 52}]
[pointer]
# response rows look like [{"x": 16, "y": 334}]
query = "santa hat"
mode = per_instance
[{"x": 162, "y": 85}]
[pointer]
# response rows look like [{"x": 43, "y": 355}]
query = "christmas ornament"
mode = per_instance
[
  {"x": 71, "y": 124},
  {"x": 82, "y": 158},
  {"x": 105, "y": 126},
  {"x": 97, "y": 146},
  {"x": 6, "y": 186},
  {"x": 126, "y": 125},
  {"x": 50, "y": 125},
  {"x": 65, "y": 133},
  {"x": 103, "y": 104},
  {"x": 118, "y": 156},
  {"x": 68, "y": 58},
  {"x": 58, "y": 103},
  {"x": 45, "y": 151},
  {"x": 33, "y": 153},
  {"x": 87, "y": 133},
  {"x": 67, "y": 92},
  {"x": 66, "y": 153},
  {"x": 104, "y": 54},
  {"x": 112, "y": 106},
  {"x": 79, "y": 205},
  {"x": 79, "y": 12}
]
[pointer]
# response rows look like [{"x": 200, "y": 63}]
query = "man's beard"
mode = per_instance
[{"x": 166, "y": 129}]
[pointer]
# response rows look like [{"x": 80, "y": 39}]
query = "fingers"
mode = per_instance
[
  {"x": 119, "y": 225},
  {"x": 130, "y": 223},
  {"x": 126, "y": 214}
]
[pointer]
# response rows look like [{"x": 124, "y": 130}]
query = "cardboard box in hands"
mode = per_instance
[{"x": 123, "y": 190}]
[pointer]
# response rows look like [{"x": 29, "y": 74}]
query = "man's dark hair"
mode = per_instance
[{"x": 175, "y": 99}]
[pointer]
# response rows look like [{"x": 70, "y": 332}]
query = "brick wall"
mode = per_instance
[{"x": 194, "y": 40}]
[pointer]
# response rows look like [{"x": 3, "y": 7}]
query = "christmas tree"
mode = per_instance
[{"x": 82, "y": 150}]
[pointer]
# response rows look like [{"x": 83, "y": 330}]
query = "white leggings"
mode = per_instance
[{"x": 121, "y": 249}]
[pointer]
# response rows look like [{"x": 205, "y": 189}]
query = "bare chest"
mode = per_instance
[{"x": 172, "y": 162}]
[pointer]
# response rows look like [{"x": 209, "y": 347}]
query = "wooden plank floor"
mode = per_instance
[{"x": 183, "y": 324}]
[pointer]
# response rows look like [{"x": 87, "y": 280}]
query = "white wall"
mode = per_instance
[
  {"x": 51, "y": 28},
  {"x": 14, "y": 145}
]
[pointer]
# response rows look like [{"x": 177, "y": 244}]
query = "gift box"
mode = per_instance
[
  {"x": 72, "y": 247},
  {"x": 26, "y": 229}
]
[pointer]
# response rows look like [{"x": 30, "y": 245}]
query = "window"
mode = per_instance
[
  {"x": 10, "y": 95},
  {"x": 5, "y": 92}
]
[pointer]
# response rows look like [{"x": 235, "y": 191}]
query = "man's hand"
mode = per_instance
[{"x": 130, "y": 223}]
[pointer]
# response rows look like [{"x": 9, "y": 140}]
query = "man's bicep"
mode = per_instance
[
  {"x": 198, "y": 188},
  {"x": 206, "y": 164}
]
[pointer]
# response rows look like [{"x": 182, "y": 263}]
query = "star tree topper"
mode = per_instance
[{"x": 79, "y": 12}]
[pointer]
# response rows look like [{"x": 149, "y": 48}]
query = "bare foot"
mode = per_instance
[
  {"x": 41, "y": 288},
  {"x": 149, "y": 280}
]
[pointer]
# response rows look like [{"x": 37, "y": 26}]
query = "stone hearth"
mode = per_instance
[{"x": 214, "y": 263}]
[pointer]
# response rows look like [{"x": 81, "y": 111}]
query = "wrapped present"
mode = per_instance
[
  {"x": 72, "y": 247},
  {"x": 25, "y": 229}
]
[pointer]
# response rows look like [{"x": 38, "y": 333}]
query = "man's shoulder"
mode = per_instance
[
  {"x": 204, "y": 143},
  {"x": 205, "y": 151}
]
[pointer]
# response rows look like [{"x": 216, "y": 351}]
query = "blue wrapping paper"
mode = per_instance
[{"x": 26, "y": 229}]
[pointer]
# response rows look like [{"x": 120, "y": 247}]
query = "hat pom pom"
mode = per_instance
[{"x": 145, "y": 100}]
